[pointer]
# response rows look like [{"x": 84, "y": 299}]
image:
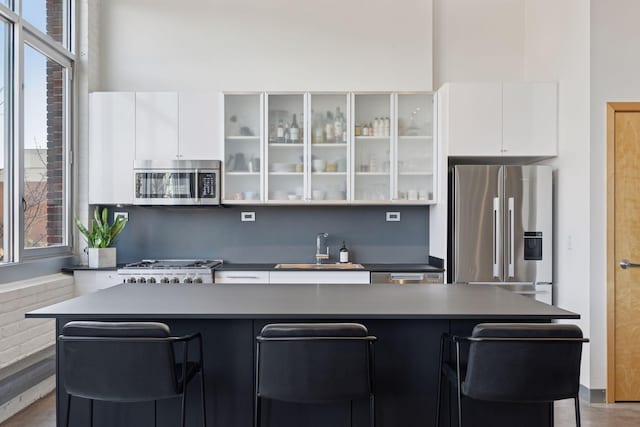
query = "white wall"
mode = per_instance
[
  {"x": 615, "y": 37},
  {"x": 478, "y": 40},
  {"x": 557, "y": 49},
  {"x": 265, "y": 45}
]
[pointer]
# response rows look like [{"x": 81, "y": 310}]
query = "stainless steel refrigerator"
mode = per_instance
[{"x": 502, "y": 227}]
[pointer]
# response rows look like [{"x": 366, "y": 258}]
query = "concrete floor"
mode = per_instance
[{"x": 43, "y": 414}]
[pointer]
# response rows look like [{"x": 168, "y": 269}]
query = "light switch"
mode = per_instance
[
  {"x": 393, "y": 216},
  {"x": 248, "y": 216}
]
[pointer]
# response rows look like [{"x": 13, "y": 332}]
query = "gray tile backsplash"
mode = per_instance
[{"x": 279, "y": 234}]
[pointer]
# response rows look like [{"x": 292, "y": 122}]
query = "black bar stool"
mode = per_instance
[
  {"x": 517, "y": 363},
  {"x": 127, "y": 362},
  {"x": 314, "y": 363}
]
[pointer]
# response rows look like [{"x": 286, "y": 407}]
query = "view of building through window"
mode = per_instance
[
  {"x": 46, "y": 15},
  {"x": 44, "y": 94}
]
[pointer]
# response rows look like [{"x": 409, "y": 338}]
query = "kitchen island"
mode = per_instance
[{"x": 408, "y": 321}]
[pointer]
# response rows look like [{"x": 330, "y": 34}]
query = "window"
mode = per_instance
[
  {"x": 4, "y": 147},
  {"x": 47, "y": 16},
  {"x": 35, "y": 128},
  {"x": 44, "y": 147}
]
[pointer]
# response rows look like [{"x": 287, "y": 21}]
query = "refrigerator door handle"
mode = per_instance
[
  {"x": 511, "y": 263},
  {"x": 496, "y": 235}
]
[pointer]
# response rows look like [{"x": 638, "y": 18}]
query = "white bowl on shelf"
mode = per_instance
[
  {"x": 318, "y": 194},
  {"x": 319, "y": 165},
  {"x": 283, "y": 167}
]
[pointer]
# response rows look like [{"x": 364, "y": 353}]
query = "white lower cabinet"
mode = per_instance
[
  {"x": 89, "y": 281},
  {"x": 242, "y": 277},
  {"x": 319, "y": 277}
]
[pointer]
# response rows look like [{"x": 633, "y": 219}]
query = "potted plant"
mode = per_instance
[{"x": 101, "y": 237}]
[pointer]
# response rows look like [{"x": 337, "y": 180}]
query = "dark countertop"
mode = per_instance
[
  {"x": 131, "y": 301},
  {"x": 410, "y": 268}
]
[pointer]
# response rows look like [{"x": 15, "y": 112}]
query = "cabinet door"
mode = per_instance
[
  {"x": 475, "y": 119},
  {"x": 319, "y": 277},
  {"x": 156, "y": 126},
  {"x": 530, "y": 119},
  {"x": 286, "y": 150},
  {"x": 111, "y": 147},
  {"x": 415, "y": 150},
  {"x": 198, "y": 127},
  {"x": 371, "y": 160},
  {"x": 240, "y": 277},
  {"x": 329, "y": 149},
  {"x": 243, "y": 142},
  {"x": 89, "y": 281}
]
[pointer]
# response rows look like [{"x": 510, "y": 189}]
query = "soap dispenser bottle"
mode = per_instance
[{"x": 344, "y": 253}]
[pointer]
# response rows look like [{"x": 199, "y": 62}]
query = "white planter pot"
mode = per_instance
[{"x": 102, "y": 258}]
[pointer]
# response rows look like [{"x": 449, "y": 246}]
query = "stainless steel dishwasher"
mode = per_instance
[{"x": 405, "y": 278}]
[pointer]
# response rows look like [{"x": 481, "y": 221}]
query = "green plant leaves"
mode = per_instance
[{"x": 102, "y": 235}]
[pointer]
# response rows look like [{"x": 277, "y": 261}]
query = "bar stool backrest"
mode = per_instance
[
  {"x": 314, "y": 363},
  {"x": 524, "y": 362},
  {"x": 118, "y": 361}
]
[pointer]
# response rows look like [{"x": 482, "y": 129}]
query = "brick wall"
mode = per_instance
[
  {"x": 21, "y": 337},
  {"x": 55, "y": 128}
]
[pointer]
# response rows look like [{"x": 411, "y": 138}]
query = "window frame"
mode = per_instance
[{"x": 22, "y": 33}]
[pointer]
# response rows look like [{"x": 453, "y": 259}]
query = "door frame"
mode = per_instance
[{"x": 612, "y": 109}]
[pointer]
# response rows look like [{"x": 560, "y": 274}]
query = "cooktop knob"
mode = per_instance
[
  {"x": 188, "y": 280},
  {"x": 175, "y": 280},
  {"x": 131, "y": 280},
  {"x": 164, "y": 280},
  {"x": 151, "y": 280},
  {"x": 197, "y": 280}
]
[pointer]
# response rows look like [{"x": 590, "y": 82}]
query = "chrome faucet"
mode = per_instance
[{"x": 320, "y": 253}]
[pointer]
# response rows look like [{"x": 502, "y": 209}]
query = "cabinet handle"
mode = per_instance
[{"x": 242, "y": 277}]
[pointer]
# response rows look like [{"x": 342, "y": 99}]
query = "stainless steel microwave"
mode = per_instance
[{"x": 177, "y": 182}]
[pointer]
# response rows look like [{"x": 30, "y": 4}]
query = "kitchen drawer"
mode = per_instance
[
  {"x": 242, "y": 277},
  {"x": 319, "y": 277}
]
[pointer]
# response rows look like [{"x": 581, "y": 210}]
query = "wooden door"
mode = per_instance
[{"x": 623, "y": 244}]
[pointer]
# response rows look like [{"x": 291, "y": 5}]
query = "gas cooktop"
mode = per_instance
[
  {"x": 173, "y": 263},
  {"x": 154, "y": 271}
]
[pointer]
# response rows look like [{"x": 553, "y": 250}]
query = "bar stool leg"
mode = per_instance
[
  {"x": 459, "y": 384},
  {"x": 372, "y": 410},
  {"x": 183, "y": 414},
  {"x": 204, "y": 403},
  {"x": 439, "y": 398},
  {"x": 68, "y": 409},
  {"x": 257, "y": 416},
  {"x": 91, "y": 411},
  {"x": 577, "y": 405}
]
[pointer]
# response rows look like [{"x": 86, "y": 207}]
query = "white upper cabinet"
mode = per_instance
[
  {"x": 475, "y": 119},
  {"x": 111, "y": 149},
  {"x": 530, "y": 119},
  {"x": 156, "y": 123},
  {"x": 501, "y": 119},
  {"x": 197, "y": 126}
]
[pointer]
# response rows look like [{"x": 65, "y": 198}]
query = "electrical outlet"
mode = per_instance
[
  {"x": 248, "y": 216},
  {"x": 393, "y": 216},
  {"x": 125, "y": 215}
]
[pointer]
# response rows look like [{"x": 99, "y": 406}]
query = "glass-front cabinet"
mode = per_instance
[
  {"x": 372, "y": 143},
  {"x": 329, "y": 149},
  {"x": 415, "y": 158},
  {"x": 243, "y": 148},
  {"x": 286, "y": 148}
]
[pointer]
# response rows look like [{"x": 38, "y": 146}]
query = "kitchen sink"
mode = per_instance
[{"x": 348, "y": 266}]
